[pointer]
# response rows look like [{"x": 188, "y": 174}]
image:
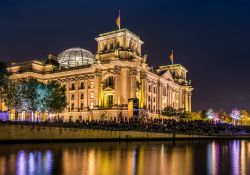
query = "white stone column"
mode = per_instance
[
  {"x": 97, "y": 86},
  {"x": 168, "y": 95},
  {"x": 143, "y": 91},
  {"x": 186, "y": 102},
  {"x": 124, "y": 87},
  {"x": 76, "y": 95},
  {"x": 189, "y": 103},
  {"x": 68, "y": 94},
  {"x": 86, "y": 92},
  {"x": 117, "y": 86},
  {"x": 159, "y": 98},
  {"x": 180, "y": 99},
  {"x": 132, "y": 74},
  {"x": 117, "y": 90}
]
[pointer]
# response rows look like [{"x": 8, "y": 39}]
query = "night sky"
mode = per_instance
[{"x": 210, "y": 38}]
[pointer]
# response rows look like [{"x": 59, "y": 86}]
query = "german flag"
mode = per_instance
[
  {"x": 171, "y": 56},
  {"x": 118, "y": 21}
]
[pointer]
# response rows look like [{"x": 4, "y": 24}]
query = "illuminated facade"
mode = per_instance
[{"x": 100, "y": 85}]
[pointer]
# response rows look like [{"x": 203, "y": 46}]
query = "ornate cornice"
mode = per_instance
[
  {"x": 133, "y": 71},
  {"x": 117, "y": 69}
]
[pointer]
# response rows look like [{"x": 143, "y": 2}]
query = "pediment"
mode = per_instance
[
  {"x": 167, "y": 76},
  {"x": 108, "y": 89}
]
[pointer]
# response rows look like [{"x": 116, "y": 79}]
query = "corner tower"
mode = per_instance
[{"x": 121, "y": 44}]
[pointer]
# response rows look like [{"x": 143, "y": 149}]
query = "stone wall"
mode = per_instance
[{"x": 9, "y": 132}]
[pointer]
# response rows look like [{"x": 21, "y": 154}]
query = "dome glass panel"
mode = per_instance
[{"x": 75, "y": 57}]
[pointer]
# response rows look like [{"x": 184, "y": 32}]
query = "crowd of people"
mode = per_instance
[{"x": 194, "y": 127}]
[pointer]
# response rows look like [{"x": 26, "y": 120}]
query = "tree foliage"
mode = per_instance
[
  {"x": 57, "y": 98},
  {"x": 235, "y": 114},
  {"x": 33, "y": 96},
  {"x": 170, "y": 111}
]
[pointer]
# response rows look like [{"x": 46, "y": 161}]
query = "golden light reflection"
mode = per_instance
[
  {"x": 138, "y": 158},
  {"x": 243, "y": 157}
]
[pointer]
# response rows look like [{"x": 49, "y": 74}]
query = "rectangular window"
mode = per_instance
[
  {"x": 73, "y": 86},
  {"x": 82, "y": 96},
  {"x": 148, "y": 98},
  {"x": 155, "y": 90},
  {"x": 82, "y": 85},
  {"x": 81, "y": 106},
  {"x": 91, "y": 84},
  {"x": 72, "y": 106},
  {"x": 72, "y": 96},
  {"x": 149, "y": 88},
  {"x": 92, "y": 95},
  {"x": 91, "y": 105},
  {"x": 110, "y": 100}
]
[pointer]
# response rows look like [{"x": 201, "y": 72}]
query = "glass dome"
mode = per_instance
[{"x": 75, "y": 57}]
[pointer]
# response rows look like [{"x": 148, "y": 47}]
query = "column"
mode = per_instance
[
  {"x": 117, "y": 86},
  {"x": 97, "y": 86},
  {"x": 143, "y": 96},
  {"x": 76, "y": 101},
  {"x": 186, "y": 101},
  {"x": 180, "y": 99},
  {"x": 124, "y": 87},
  {"x": 132, "y": 73},
  {"x": 117, "y": 90},
  {"x": 68, "y": 94},
  {"x": 159, "y": 98},
  {"x": 132, "y": 86},
  {"x": 101, "y": 104},
  {"x": 168, "y": 97},
  {"x": 189, "y": 103},
  {"x": 86, "y": 92}
]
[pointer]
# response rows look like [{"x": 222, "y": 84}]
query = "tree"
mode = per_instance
[
  {"x": 33, "y": 96},
  {"x": 203, "y": 114},
  {"x": 235, "y": 115},
  {"x": 223, "y": 116},
  {"x": 12, "y": 96},
  {"x": 56, "y": 100},
  {"x": 245, "y": 117},
  {"x": 22, "y": 95},
  {"x": 194, "y": 116},
  {"x": 210, "y": 114},
  {"x": 169, "y": 111}
]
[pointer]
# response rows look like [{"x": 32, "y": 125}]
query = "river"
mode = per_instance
[{"x": 127, "y": 158}]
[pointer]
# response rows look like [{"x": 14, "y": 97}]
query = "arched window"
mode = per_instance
[{"x": 109, "y": 82}]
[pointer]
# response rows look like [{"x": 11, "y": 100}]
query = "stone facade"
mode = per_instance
[{"x": 118, "y": 72}]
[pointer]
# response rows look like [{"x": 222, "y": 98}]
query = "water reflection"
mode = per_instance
[{"x": 133, "y": 158}]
